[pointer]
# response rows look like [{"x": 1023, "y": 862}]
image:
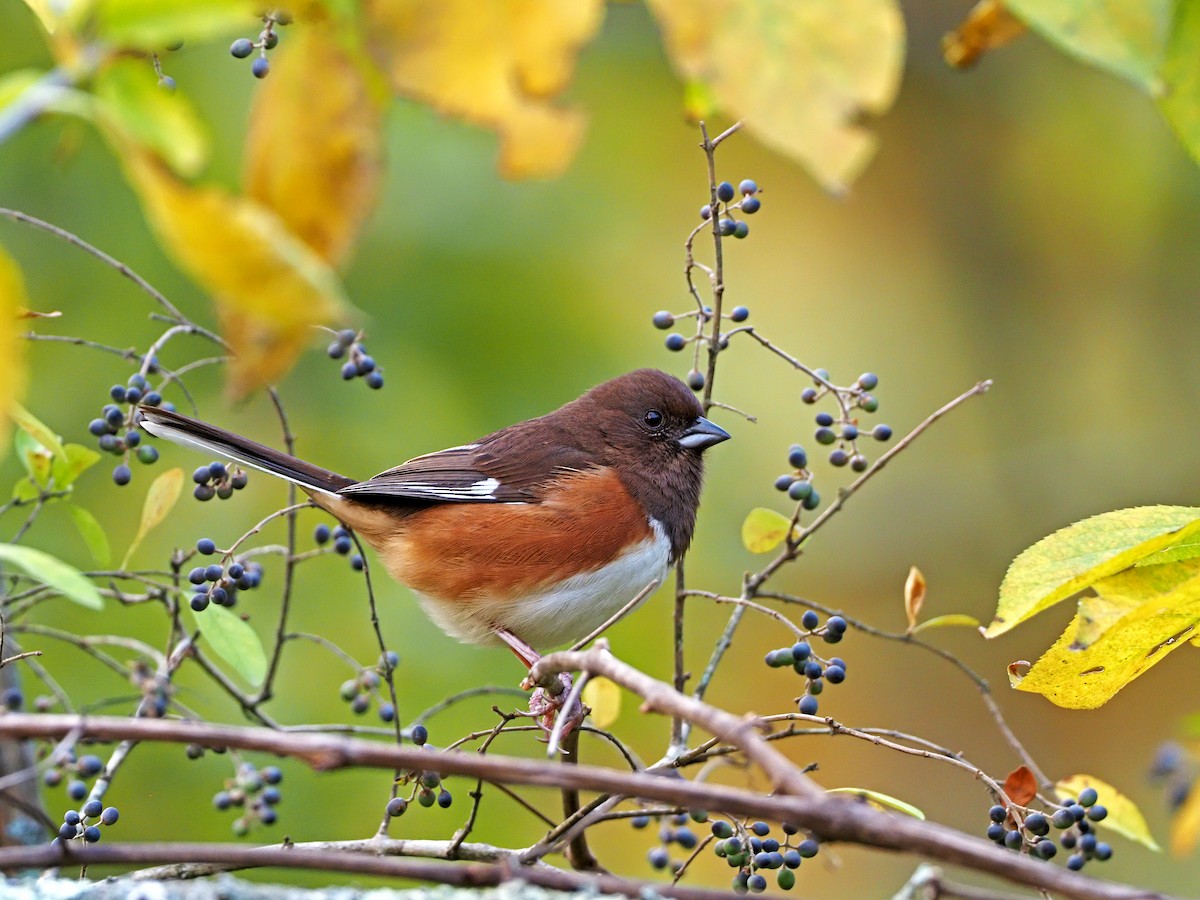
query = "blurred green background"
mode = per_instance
[{"x": 1032, "y": 222}]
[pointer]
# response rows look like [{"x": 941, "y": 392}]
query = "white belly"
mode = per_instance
[{"x": 565, "y": 612}]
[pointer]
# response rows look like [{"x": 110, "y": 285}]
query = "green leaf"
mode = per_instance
[
  {"x": 53, "y": 573},
  {"x": 1123, "y": 817},
  {"x": 953, "y": 620},
  {"x": 1066, "y": 562},
  {"x": 1124, "y": 37},
  {"x": 764, "y": 529},
  {"x": 234, "y": 641},
  {"x": 154, "y": 24},
  {"x": 25, "y": 490},
  {"x": 92, "y": 533},
  {"x": 131, "y": 100},
  {"x": 1179, "y": 99},
  {"x": 162, "y": 495},
  {"x": 45, "y": 91},
  {"x": 77, "y": 459},
  {"x": 1136, "y": 619},
  {"x": 880, "y": 800},
  {"x": 36, "y": 429},
  {"x": 35, "y": 459}
]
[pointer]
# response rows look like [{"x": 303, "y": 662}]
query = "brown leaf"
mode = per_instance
[
  {"x": 269, "y": 288},
  {"x": 987, "y": 27},
  {"x": 914, "y": 596},
  {"x": 314, "y": 154},
  {"x": 495, "y": 64},
  {"x": 1020, "y": 786},
  {"x": 801, "y": 74}
]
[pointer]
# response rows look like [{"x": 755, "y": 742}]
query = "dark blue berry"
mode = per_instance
[
  {"x": 639, "y": 822},
  {"x": 1088, "y": 797},
  {"x": 196, "y": 575},
  {"x": 676, "y": 342},
  {"x": 260, "y": 67},
  {"x": 419, "y": 735},
  {"x": 797, "y": 458},
  {"x": 800, "y": 490},
  {"x": 12, "y": 698},
  {"x": 808, "y": 705},
  {"x": 1075, "y": 862},
  {"x": 206, "y": 547},
  {"x": 1102, "y": 852},
  {"x": 1087, "y": 843},
  {"x": 724, "y": 191},
  {"x": 739, "y": 314},
  {"x": 835, "y": 674},
  {"x": 813, "y": 669},
  {"x": 881, "y": 432},
  {"x": 343, "y": 545},
  {"x": 997, "y": 813},
  {"x": 859, "y": 463},
  {"x": 809, "y": 395},
  {"x": 996, "y": 832},
  {"x": 751, "y": 205},
  {"x": 728, "y": 227},
  {"x": 92, "y": 808},
  {"x": 1062, "y": 818},
  {"x": 824, "y": 436},
  {"x": 132, "y": 439},
  {"x": 201, "y": 475},
  {"x": 117, "y": 392},
  {"x": 132, "y": 395},
  {"x": 824, "y": 419},
  {"x": 836, "y": 624},
  {"x": 199, "y": 602},
  {"x": 1013, "y": 840},
  {"x": 110, "y": 815},
  {"x": 1037, "y": 824},
  {"x": 71, "y": 817},
  {"x": 658, "y": 858},
  {"x": 77, "y": 790},
  {"x": 1097, "y": 813},
  {"x": 808, "y": 848},
  {"x": 321, "y": 533},
  {"x": 236, "y": 570},
  {"x": 365, "y": 365},
  {"x": 783, "y": 482},
  {"x": 213, "y": 573},
  {"x": 396, "y": 807},
  {"x": 849, "y": 432},
  {"x": 67, "y": 832},
  {"x": 241, "y": 48},
  {"x": 706, "y": 212},
  {"x": 217, "y": 471},
  {"x": 801, "y": 651},
  {"x": 810, "y": 619},
  {"x": 838, "y": 457},
  {"x": 1046, "y": 849},
  {"x": 747, "y": 187},
  {"x": 695, "y": 380},
  {"x": 762, "y": 829},
  {"x": 663, "y": 320},
  {"x": 375, "y": 380},
  {"x": 349, "y": 371},
  {"x": 122, "y": 474},
  {"x": 756, "y": 883},
  {"x": 109, "y": 444},
  {"x": 99, "y": 427},
  {"x": 153, "y": 398},
  {"x": 336, "y": 350}
]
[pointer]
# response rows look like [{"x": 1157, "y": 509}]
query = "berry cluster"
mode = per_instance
[
  {"x": 348, "y": 342},
  {"x": 218, "y": 480},
  {"x": 268, "y": 39},
  {"x": 751, "y": 851},
  {"x": 1073, "y": 819},
  {"x": 727, "y": 221},
  {"x": 1176, "y": 769},
  {"x": 253, "y": 790},
  {"x": 361, "y": 690},
  {"x": 342, "y": 543},
  {"x": 664, "y": 319},
  {"x": 75, "y": 822},
  {"x": 66, "y": 764},
  {"x": 218, "y": 583},
  {"x": 428, "y": 788},
  {"x": 843, "y": 429},
  {"x": 815, "y": 670},
  {"x": 674, "y": 830},
  {"x": 116, "y": 429},
  {"x": 799, "y": 482}
]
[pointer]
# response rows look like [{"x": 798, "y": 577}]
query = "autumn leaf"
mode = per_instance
[
  {"x": 950, "y": 620},
  {"x": 604, "y": 699},
  {"x": 1123, "y": 817},
  {"x": 1185, "y": 826},
  {"x": 880, "y": 801},
  {"x": 1020, "y": 786},
  {"x": 764, "y": 529},
  {"x": 12, "y": 348},
  {"x": 1142, "y": 615},
  {"x": 160, "y": 498},
  {"x": 1071, "y": 559},
  {"x": 494, "y": 64},
  {"x": 914, "y": 596},
  {"x": 314, "y": 153},
  {"x": 800, "y": 74},
  {"x": 988, "y": 26},
  {"x": 268, "y": 286}
]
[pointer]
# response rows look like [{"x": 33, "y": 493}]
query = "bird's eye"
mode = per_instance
[{"x": 653, "y": 419}]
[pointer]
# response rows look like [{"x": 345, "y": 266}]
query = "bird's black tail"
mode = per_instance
[{"x": 208, "y": 438}]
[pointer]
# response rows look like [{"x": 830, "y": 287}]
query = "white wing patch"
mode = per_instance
[{"x": 484, "y": 489}]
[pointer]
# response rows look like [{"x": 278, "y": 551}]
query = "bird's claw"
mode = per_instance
[{"x": 546, "y": 707}]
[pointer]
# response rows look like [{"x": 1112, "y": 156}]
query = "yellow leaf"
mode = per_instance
[
  {"x": 1161, "y": 613},
  {"x": 880, "y": 801},
  {"x": 604, "y": 698},
  {"x": 988, "y": 26},
  {"x": 801, "y": 74},
  {"x": 12, "y": 348},
  {"x": 1123, "y": 817},
  {"x": 269, "y": 287},
  {"x": 37, "y": 429},
  {"x": 914, "y": 596},
  {"x": 764, "y": 529},
  {"x": 1075, "y": 557},
  {"x": 163, "y": 121},
  {"x": 1185, "y": 825},
  {"x": 314, "y": 154},
  {"x": 163, "y": 494},
  {"x": 961, "y": 620},
  {"x": 495, "y": 64}
]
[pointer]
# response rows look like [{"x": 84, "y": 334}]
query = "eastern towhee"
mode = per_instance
[{"x": 534, "y": 535}]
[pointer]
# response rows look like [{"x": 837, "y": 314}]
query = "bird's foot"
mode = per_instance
[{"x": 548, "y": 706}]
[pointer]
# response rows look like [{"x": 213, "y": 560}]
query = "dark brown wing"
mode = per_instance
[{"x": 513, "y": 465}]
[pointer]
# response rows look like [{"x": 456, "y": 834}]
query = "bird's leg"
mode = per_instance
[{"x": 546, "y": 704}]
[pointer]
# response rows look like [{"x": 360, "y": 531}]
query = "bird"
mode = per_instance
[{"x": 532, "y": 536}]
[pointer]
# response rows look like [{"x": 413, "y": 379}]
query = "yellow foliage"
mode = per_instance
[
  {"x": 604, "y": 699},
  {"x": 314, "y": 154},
  {"x": 1123, "y": 817},
  {"x": 495, "y": 64},
  {"x": 12, "y": 348},
  {"x": 764, "y": 530}
]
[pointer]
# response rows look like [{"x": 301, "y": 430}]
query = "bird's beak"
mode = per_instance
[{"x": 703, "y": 433}]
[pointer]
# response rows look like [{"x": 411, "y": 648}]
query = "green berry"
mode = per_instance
[
  {"x": 740, "y": 230},
  {"x": 800, "y": 490}
]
